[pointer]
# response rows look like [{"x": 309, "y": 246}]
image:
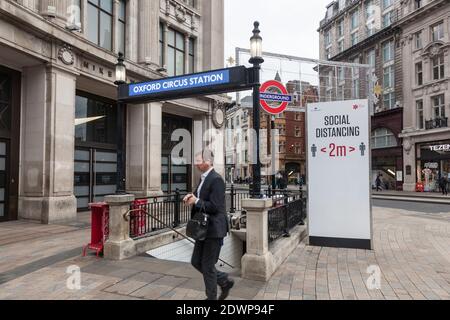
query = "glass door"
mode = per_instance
[
  {"x": 4, "y": 216},
  {"x": 174, "y": 176},
  {"x": 95, "y": 175}
]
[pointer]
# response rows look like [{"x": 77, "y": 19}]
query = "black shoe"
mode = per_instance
[{"x": 226, "y": 289}]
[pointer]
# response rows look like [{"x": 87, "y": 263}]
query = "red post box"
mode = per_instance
[
  {"x": 138, "y": 221},
  {"x": 420, "y": 187},
  {"x": 99, "y": 227}
]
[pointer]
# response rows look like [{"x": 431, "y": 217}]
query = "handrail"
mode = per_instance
[{"x": 126, "y": 216}]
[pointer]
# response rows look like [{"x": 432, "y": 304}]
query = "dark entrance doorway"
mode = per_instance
[
  {"x": 95, "y": 149},
  {"x": 9, "y": 143},
  {"x": 174, "y": 176}
]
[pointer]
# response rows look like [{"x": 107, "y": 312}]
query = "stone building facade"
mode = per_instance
[
  {"x": 58, "y": 135},
  {"x": 425, "y": 46},
  {"x": 365, "y": 32}
]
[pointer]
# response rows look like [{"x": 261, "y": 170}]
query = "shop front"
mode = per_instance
[{"x": 432, "y": 163}]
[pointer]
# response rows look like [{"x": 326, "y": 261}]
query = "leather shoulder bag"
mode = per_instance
[{"x": 197, "y": 227}]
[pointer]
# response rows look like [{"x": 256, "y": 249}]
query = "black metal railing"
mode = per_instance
[
  {"x": 436, "y": 123},
  {"x": 155, "y": 214},
  {"x": 234, "y": 196},
  {"x": 283, "y": 218}
]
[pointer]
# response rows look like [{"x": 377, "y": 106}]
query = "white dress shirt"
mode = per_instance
[{"x": 203, "y": 178}]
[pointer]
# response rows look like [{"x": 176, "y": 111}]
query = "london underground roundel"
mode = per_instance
[{"x": 274, "y": 97}]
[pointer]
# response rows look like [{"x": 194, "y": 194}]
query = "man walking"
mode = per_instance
[{"x": 210, "y": 196}]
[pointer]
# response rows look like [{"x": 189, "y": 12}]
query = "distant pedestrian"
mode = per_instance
[
  {"x": 378, "y": 183},
  {"x": 443, "y": 182}
]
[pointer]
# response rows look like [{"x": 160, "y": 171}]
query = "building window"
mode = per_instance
[
  {"x": 341, "y": 75},
  {"x": 355, "y": 20},
  {"x": 387, "y": 3},
  {"x": 371, "y": 59},
  {"x": 96, "y": 121},
  {"x": 298, "y": 132},
  {"x": 354, "y": 38},
  {"x": 418, "y": 40},
  {"x": 298, "y": 116},
  {"x": 370, "y": 9},
  {"x": 176, "y": 52},
  {"x": 191, "y": 3},
  {"x": 341, "y": 46},
  {"x": 438, "y": 106},
  {"x": 417, "y": 4},
  {"x": 161, "y": 45},
  {"x": 387, "y": 19},
  {"x": 121, "y": 35},
  {"x": 328, "y": 38},
  {"x": 389, "y": 100},
  {"x": 99, "y": 29},
  {"x": 419, "y": 74},
  {"x": 383, "y": 138},
  {"x": 420, "y": 119},
  {"x": 191, "y": 55},
  {"x": 388, "y": 77},
  {"x": 282, "y": 147},
  {"x": 438, "y": 67},
  {"x": 340, "y": 29},
  {"x": 388, "y": 51},
  {"x": 437, "y": 31},
  {"x": 298, "y": 148},
  {"x": 328, "y": 53}
]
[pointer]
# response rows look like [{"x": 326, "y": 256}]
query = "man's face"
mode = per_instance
[{"x": 200, "y": 164}]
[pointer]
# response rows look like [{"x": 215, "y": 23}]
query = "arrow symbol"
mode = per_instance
[
  {"x": 324, "y": 150},
  {"x": 352, "y": 149}
]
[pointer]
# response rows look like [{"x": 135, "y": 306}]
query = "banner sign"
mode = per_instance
[
  {"x": 196, "y": 84},
  {"x": 187, "y": 82},
  {"x": 339, "y": 188}
]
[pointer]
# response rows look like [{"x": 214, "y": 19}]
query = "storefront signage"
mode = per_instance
[
  {"x": 442, "y": 147},
  {"x": 431, "y": 165},
  {"x": 281, "y": 99},
  {"x": 211, "y": 82},
  {"x": 339, "y": 153}
]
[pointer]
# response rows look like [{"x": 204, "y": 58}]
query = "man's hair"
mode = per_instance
[{"x": 207, "y": 155}]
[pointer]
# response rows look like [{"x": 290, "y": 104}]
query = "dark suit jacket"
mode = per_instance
[{"x": 212, "y": 197}]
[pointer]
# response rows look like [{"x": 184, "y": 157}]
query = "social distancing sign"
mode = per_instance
[{"x": 339, "y": 189}]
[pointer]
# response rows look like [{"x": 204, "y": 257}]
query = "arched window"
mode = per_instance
[{"x": 383, "y": 138}]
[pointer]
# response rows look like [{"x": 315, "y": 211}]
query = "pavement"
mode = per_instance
[
  {"x": 423, "y": 197},
  {"x": 410, "y": 260},
  {"x": 427, "y": 197}
]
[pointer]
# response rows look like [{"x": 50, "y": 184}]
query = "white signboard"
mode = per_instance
[{"x": 339, "y": 188}]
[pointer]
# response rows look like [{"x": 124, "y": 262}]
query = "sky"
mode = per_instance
[{"x": 287, "y": 26}]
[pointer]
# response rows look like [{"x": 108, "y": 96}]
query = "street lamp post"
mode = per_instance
[
  {"x": 256, "y": 60},
  {"x": 121, "y": 77}
]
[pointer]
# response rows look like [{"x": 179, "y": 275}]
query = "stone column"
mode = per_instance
[
  {"x": 186, "y": 53},
  {"x": 132, "y": 38},
  {"x": 115, "y": 22},
  {"x": 409, "y": 159},
  {"x": 144, "y": 143},
  {"x": 212, "y": 32},
  {"x": 258, "y": 262},
  {"x": 48, "y": 138},
  {"x": 198, "y": 130},
  {"x": 119, "y": 245},
  {"x": 165, "y": 44},
  {"x": 148, "y": 32}
]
